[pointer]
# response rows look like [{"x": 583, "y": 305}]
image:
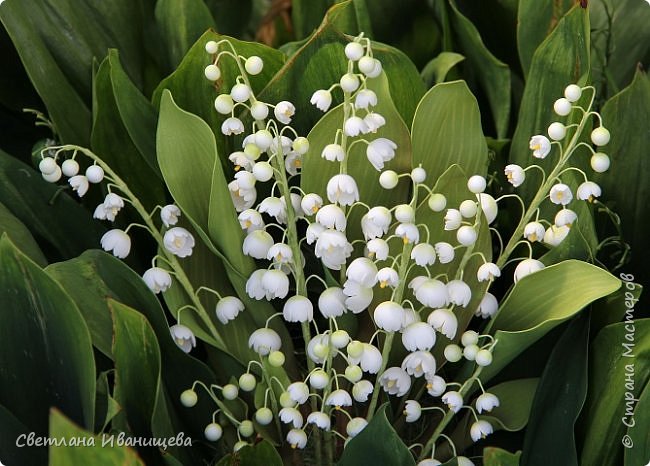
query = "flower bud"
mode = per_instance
[
  {"x": 189, "y": 398},
  {"x": 388, "y": 179},
  {"x": 254, "y": 65},
  {"x": 213, "y": 432},
  {"x": 247, "y": 382}
]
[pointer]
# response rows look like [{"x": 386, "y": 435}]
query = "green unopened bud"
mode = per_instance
[
  {"x": 230, "y": 391},
  {"x": 276, "y": 358},
  {"x": 189, "y": 398}
]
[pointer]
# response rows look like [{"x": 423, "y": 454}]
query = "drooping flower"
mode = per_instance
[
  {"x": 432, "y": 293},
  {"x": 183, "y": 337},
  {"x": 389, "y": 316},
  {"x": 311, "y": 203},
  {"x": 257, "y": 244},
  {"x": 284, "y": 111},
  {"x": 291, "y": 416},
  {"x": 362, "y": 390},
  {"x": 408, "y": 232},
  {"x": 365, "y": 98},
  {"x": 380, "y": 151},
  {"x": 540, "y": 145},
  {"x": 526, "y": 267},
  {"x": 423, "y": 254},
  {"x": 280, "y": 253},
  {"x": 395, "y": 381},
  {"x": 117, "y": 242},
  {"x": 453, "y": 219},
  {"x": 375, "y": 222},
  {"x": 319, "y": 419},
  {"x": 322, "y": 99},
  {"x": 355, "y": 426},
  {"x": 333, "y": 248},
  {"x": 242, "y": 199},
  {"x": 332, "y": 216},
  {"x": 333, "y": 153},
  {"x": 387, "y": 276},
  {"x": 228, "y": 308},
  {"x": 254, "y": 287},
  {"x": 298, "y": 309},
  {"x": 299, "y": 392},
  {"x": 354, "y": 126},
  {"x": 418, "y": 336},
  {"x": 157, "y": 279},
  {"x": 370, "y": 359},
  {"x": 444, "y": 321},
  {"x": 453, "y": 400},
  {"x": 488, "y": 306},
  {"x": 358, "y": 298},
  {"x": 419, "y": 363},
  {"x": 515, "y": 174},
  {"x": 555, "y": 235},
  {"x": 378, "y": 248},
  {"x": 79, "y": 184},
  {"x": 565, "y": 217},
  {"x": 232, "y": 125},
  {"x": 264, "y": 340},
  {"x": 362, "y": 271},
  {"x": 374, "y": 121},
  {"x": 342, "y": 189},
  {"x": 338, "y": 398},
  {"x": 480, "y": 429},
  {"x": 560, "y": 194},
  {"x": 331, "y": 302},
  {"x": 588, "y": 191},
  {"x": 534, "y": 231},
  {"x": 275, "y": 284},
  {"x": 412, "y": 410},
  {"x": 250, "y": 220},
  {"x": 486, "y": 402},
  {"x": 489, "y": 207},
  {"x": 488, "y": 272},
  {"x": 436, "y": 385},
  {"x": 297, "y": 438},
  {"x": 445, "y": 252}
]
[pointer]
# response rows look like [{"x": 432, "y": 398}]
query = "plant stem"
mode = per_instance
[{"x": 171, "y": 259}]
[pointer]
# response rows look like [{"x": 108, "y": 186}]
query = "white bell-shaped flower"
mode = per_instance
[
  {"x": 333, "y": 153},
  {"x": 488, "y": 272},
  {"x": 354, "y": 126},
  {"x": 488, "y": 306},
  {"x": 298, "y": 309},
  {"x": 444, "y": 321},
  {"x": 526, "y": 267},
  {"x": 555, "y": 235},
  {"x": 157, "y": 279},
  {"x": 250, "y": 220},
  {"x": 297, "y": 438},
  {"x": 313, "y": 232},
  {"x": 488, "y": 206},
  {"x": 408, "y": 232},
  {"x": 254, "y": 287},
  {"x": 331, "y": 302},
  {"x": 534, "y": 231},
  {"x": 319, "y": 419},
  {"x": 361, "y": 391},
  {"x": 412, "y": 410},
  {"x": 480, "y": 429},
  {"x": 280, "y": 253},
  {"x": 358, "y": 298},
  {"x": 298, "y": 392},
  {"x": 560, "y": 194},
  {"x": 275, "y": 283},
  {"x": 395, "y": 381},
  {"x": 284, "y": 111},
  {"x": 432, "y": 293},
  {"x": 375, "y": 222},
  {"x": 377, "y": 248},
  {"x": 436, "y": 385},
  {"x": 418, "y": 336},
  {"x": 342, "y": 189},
  {"x": 453, "y": 400},
  {"x": 257, "y": 244},
  {"x": 453, "y": 219},
  {"x": 291, "y": 416},
  {"x": 228, "y": 308},
  {"x": 79, "y": 184},
  {"x": 274, "y": 207},
  {"x": 387, "y": 277},
  {"x": 444, "y": 251},
  {"x": 565, "y": 217},
  {"x": 486, "y": 402},
  {"x": 332, "y": 216},
  {"x": 178, "y": 241},
  {"x": 311, "y": 203},
  {"x": 540, "y": 145},
  {"x": 322, "y": 99},
  {"x": 355, "y": 426},
  {"x": 232, "y": 125},
  {"x": 515, "y": 175},
  {"x": 588, "y": 191},
  {"x": 423, "y": 254},
  {"x": 370, "y": 359},
  {"x": 264, "y": 341},
  {"x": 362, "y": 271},
  {"x": 374, "y": 121},
  {"x": 389, "y": 316},
  {"x": 380, "y": 151},
  {"x": 419, "y": 363},
  {"x": 241, "y": 160},
  {"x": 365, "y": 98},
  {"x": 338, "y": 398},
  {"x": 183, "y": 337},
  {"x": 459, "y": 293},
  {"x": 333, "y": 248},
  {"x": 241, "y": 198}
]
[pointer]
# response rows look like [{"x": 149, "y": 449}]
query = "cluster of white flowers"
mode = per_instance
[{"x": 397, "y": 256}]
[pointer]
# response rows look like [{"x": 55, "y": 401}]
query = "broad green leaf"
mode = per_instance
[
  {"x": 535, "y": 21},
  {"x": 620, "y": 41},
  {"x": 321, "y": 61},
  {"x": 136, "y": 112},
  {"x": 639, "y": 452},
  {"x": 516, "y": 400},
  {"x": 231, "y": 16},
  {"x": 447, "y": 130},
  {"x": 540, "y": 302},
  {"x": 46, "y": 354},
  {"x": 137, "y": 371},
  {"x": 626, "y": 185},
  {"x": 306, "y": 15},
  {"x": 20, "y": 236},
  {"x": 181, "y": 23},
  {"x": 493, "y": 456},
  {"x": 612, "y": 308},
  {"x": 491, "y": 74},
  {"x": 562, "y": 59},
  {"x": 110, "y": 137},
  {"x": 317, "y": 171},
  {"x": 262, "y": 453},
  {"x": 11, "y": 430},
  {"x": 52, "y": 216},
  {"x": 57, "y": 41},
  {"x": 559, "y": 398},
  {"x": 619, "y": 368},
  {"x": 436, "y": 70},
  {"x": 378, "y": 443},
  {"x": 96, "y": 450}
]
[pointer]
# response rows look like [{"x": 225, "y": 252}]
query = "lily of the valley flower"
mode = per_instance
[
  {"x": 79, "y": 184},
  {"x": 486, "y": 402},
  {"x": 444, "y": 321},
  {"x": 342, "y": 189},
  {"x": 380, "y": 151},
  {"x": 322, "y": 99},
  {"x": 232, "y": 125},
  {"x": 298, "y": 309},
  {"x": 228, "y": 308},
  {"x": 560, "y": 194},
  {"x": 408, "y": 232},
  {"x": 116, "y": 241},
  {"x": 332, "y": 216},
  {"x": 488, "y": 306},
  {"x": 339, "y": 398},
  {"x": 264, "y": 341},
  {"x": 453, "y": 400},
  {"x": 183, "y": 337},
  {"x": 526, "y": 267},
  {"x": 377, "y": 248},
  {"x": 331, "y": 302},
  {"x": 540, "y": 145},
  {"x": 388, "y": 316},
  {"x": 291, "y": 416},
  {"x": 297, "y": 438},
  {"x": 418, "y": 336},
  {"x": 555, "y": 235},
  {"x": 534, "y": 231},
  {"x": 362, "y": 390},
  {"x": 419, "y": 363},
  {"x": 355, "y": 426},
  {"x": 157, "y": 279},
  {"x": 333, "y": 248},
  {"x": 588, "y": 191},
  {"x": 565, "y": 217},
  {"x": 395, "y": 381},
  {"x": 319, "y": 419},
  {"x": 284, "y": 111},
  {"x": 515, "y": 174},
  {"x": 480, "y": 429}
]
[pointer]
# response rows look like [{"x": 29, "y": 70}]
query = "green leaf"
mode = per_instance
[
  {"x": 231, "y": 16},
  {"x": 640, "y": 451},
  {"x": 112, "y": 140},
  {"x": 516, "y": 400},
  {"x": 559, "y": 398},
  {"x": 137, "y": 370},
  {"x": 619, "y": 368},
  {"x": 306, "y": 15},
  {"x": 57, "y": 41},
  {"x": 316, "y": 171},
  {"x": 562, "y": 58},
  {"x": 52, "y": 216},
  {"x": 535, "y": 21},
  {"x": 436, "y": 70},
  {"x": 321, "y": 61},
  {"x": 106, "y": 408},
  {"x": 447, "y": 130},
  {"x": 378, "y": 443},
  {"x": 540, "y": 302},
  {"x": 11, "y": 430},
  {"x": 46, "y": 354},
  {"x": 626, "y": 115},
  {"x": 20, "y": 236},
  {"x": 96, "y": 450},
  {"x": 262, "y": 453},
  {"x": 493, "y": 456},
  {"x": 493, "y": 75},
  {"x": 620, "y": 41},
  {"x": 181, "y": 23}
]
